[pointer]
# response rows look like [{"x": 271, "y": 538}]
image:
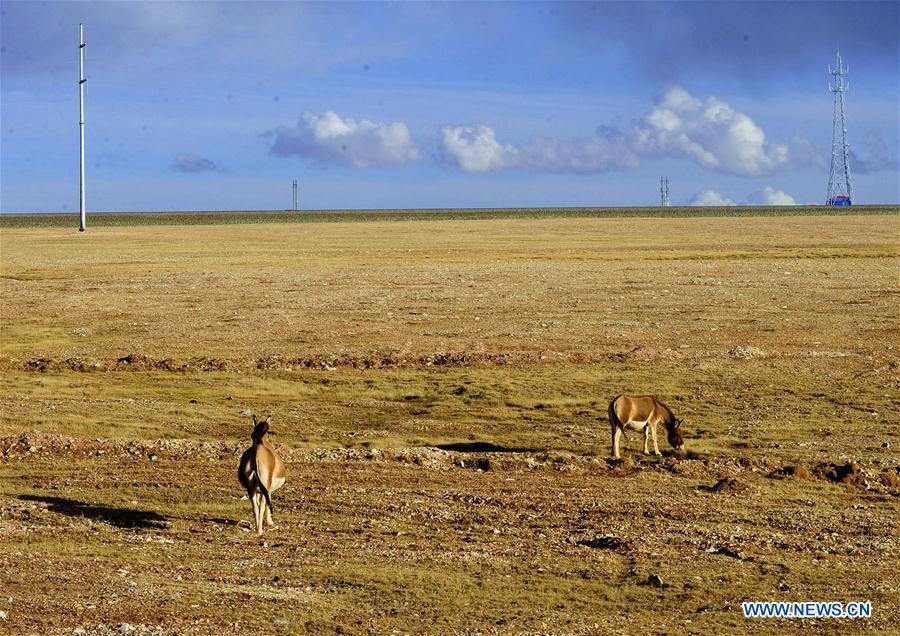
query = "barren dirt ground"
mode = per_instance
[{"x": 439, "y": 394}]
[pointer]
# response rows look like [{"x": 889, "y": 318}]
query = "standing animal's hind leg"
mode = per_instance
[
  {"x": 253, "y": 506},
  {"x": 616, "y": 436},
  {"x": 647, "y": 438},
  {"x": 258, "y": 503},
  {"x": 268, "y": 515}
]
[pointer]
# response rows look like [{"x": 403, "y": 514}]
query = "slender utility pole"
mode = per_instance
[
  {"x": 296, "y": 198},
  {"x": 81, "y": 82}
]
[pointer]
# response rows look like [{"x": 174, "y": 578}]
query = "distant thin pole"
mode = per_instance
[{"x": 81, "y": 82}]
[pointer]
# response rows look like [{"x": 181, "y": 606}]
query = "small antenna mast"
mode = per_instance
[{"x": 81, "y": 82}]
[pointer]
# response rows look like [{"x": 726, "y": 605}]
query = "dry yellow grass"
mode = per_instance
[
  {"x": 774, "y": 337},
  {"x": 561, "y": 286}
]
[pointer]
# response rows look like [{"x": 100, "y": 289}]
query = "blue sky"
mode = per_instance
[{"x": 220, "y": 105}]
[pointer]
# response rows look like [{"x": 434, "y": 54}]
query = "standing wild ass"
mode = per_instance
[
  {"x": 643, "y": 413},
  {"x": 261, "y": 473}
]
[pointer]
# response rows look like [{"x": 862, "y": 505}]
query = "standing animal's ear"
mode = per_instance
[
  {"x": 268, "y": 419},
  {"x": 254, "y": 419}
]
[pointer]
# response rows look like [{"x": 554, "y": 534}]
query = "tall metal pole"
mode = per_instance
[{"x": 81, "y": 82}]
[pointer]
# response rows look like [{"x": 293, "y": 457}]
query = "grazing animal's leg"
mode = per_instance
[
  {"x": 647, "y": 438},
  {"x": 655, "y": 445},
  {"x": 269, "y": 521}
]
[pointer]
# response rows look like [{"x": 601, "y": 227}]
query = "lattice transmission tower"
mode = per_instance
[
  {"x": 840, "y": 184},
  {"x": 664, "y": 191}
]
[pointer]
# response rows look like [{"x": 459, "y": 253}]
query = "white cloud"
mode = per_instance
[
  {"x": 329, "y": 138},
  {"x": 710, "y": 198},
  {"x": 476, "y": 149},
  {"x": 710, "y": 133},
  {"x": 771, "y": 196}
]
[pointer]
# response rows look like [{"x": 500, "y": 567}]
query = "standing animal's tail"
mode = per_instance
[
  {"x": 262, "y": 489},
  {"x": 614, "y": 420}
]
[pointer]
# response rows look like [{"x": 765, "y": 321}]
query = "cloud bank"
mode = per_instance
[
  {"x": 711, "y": 134},
  {"x": 475, "y": 148},
  {"x": 767, "y": 196},
  {"x": 666, "y": 40},
  {"x": 874, "y": 156},
  {"x": 710, "y": 198},
  {"x": 329, "y": 138},
  {"x": 708, "y": 132},
  {"x": 771, "y": 196}
]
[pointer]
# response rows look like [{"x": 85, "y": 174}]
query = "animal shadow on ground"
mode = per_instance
[
  {"x": 224, "y": 522},
  {"x": 484, "y": 447},
  {"x": 119, "y": 517}
]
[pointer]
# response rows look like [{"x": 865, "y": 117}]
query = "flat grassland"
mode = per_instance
[
  {"x": 439, "y": 392},
  {"x": 113, "y": 219}
]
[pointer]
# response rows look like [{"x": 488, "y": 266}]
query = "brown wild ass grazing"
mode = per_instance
[
  {"x": 261, "y": 473},
  {"x": 643, "y": 413}
]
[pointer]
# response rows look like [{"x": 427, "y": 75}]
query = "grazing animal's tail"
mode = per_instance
[
  {"x": 614, "y": 420},
  {"x": 262, "y": 488}
]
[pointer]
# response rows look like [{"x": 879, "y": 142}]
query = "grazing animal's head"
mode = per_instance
[
  {"x": 260, "y": 429},
  {"x": 676, "y": 438}
]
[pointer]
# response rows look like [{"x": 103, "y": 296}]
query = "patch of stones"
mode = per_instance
[
  {"x": 377, "y": 360},
  {"x": 745, "y": 353},
  {"x": 849, "y": 473},
  {"x": 730, "y": 471},
  {"x": 122, "y": 628}
]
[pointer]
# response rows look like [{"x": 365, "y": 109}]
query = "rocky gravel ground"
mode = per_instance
[
  {"x": 439, "y": 394},
  {"x": 107, "y": 536}
]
